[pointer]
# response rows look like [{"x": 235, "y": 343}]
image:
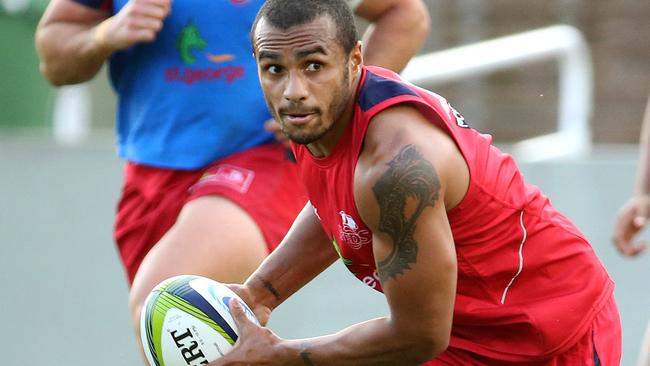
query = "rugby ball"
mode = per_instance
[{"x": 186, "y": 321}]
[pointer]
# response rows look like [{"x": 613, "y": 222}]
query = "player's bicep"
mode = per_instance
[
  {"x": 412, "y": 242},
  {"x": 419, "y": 278}
]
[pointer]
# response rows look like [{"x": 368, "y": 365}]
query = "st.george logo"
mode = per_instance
[
  {"x": 194, "y": 52},
  {"x": 189, "y": 39}
]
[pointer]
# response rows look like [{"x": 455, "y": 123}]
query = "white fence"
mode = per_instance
[{"x": 561, "y": 43}]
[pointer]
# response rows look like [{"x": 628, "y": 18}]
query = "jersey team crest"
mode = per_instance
[{"x": 351, "y": 234}]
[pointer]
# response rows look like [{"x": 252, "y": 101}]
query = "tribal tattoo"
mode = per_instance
[{"x": 408, "y": 186}]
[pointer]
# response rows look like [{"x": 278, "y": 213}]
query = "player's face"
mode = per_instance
[{"x": 306, "y": 79}]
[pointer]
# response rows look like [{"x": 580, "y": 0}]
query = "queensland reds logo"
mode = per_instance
[{"x": 350, "y": 233}]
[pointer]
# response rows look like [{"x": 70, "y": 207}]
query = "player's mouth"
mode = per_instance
[{"x": 298, "y": 118}]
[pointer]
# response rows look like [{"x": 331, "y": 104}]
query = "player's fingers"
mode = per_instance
[
  {"x": 263, "y": 314},
  {"x": 223, "y": 361},
  {"x": 146, "y": 23},
  {"x": 138, "y": 10},
  {"x": 163, "y": 6},
  {"x": 127, "y": 38},
  {"x": 629, "y": 220},
  {"x": 150, "y": 11},
  {"x": 135, "y": 24},
  {"x": 640, "y": 221},
  {"x": 639, "y": 248},
  {"x": 624, "y": 243},
  {"x": 143, "y": 35},
  {"x": 622, "y": 240},
  {"x": 272, "y": 126},
  {"x": 641, "y": 216},
  {"x": 622, "y": 225},
  {"x": 237, "y": 311}
]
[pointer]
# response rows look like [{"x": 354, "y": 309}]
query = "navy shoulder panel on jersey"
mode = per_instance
[
  {"x": 376, "y": 89},
  {"x": 96, "y": 4}
]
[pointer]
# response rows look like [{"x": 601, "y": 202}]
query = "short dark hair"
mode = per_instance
[{"x": 284, "y": 14}]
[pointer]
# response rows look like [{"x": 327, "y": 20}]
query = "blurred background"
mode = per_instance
[{"x": 65, "y": 293}]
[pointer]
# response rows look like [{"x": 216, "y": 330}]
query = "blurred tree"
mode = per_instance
[{"x": 25, "y": 97}]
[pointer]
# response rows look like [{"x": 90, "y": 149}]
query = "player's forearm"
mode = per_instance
[
  {"x": 643, "y": 174},
  {"x": 280, "y": 276},
  {"x": 396, "y": 35},
  {"x": 375, "y": 342},
  {"x": 70, "y": 53},
  {"x": 303, "y": 254}
]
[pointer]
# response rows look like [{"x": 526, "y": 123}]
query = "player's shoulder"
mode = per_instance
[
  {"x": 389, "y": 132},
  {"x": 404, "y": 128},
  {"x": 402, "y": 124},
  {"x": 400, "y": 145},
  {"x": 403, "y": 143}
]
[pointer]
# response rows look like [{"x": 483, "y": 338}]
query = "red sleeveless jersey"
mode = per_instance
[{"x": 529, "y": 283}]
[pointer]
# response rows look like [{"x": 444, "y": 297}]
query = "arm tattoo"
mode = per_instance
[
  {"x": 267, "y": 285},
  {"x": 304, "y": 355},
  {"x": 409, "y": 181}
]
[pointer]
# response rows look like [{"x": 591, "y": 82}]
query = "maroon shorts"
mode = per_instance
[
  {"x": 263, "y": 181},
  {"x": 600, "y": 346}
]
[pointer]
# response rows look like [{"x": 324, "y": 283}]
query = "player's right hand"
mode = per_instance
[
  {"x": 255, "y": 346},
  {"x": 631, "y": 219},
  {"x": 138, "y": 21}
]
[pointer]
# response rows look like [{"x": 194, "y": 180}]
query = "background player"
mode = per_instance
[{"x": 633, "y": 217}]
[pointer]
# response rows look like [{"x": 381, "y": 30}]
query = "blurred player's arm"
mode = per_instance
[
  {"x": 397, "y": 31},
  {"x": 74, "y": 40},
  {"x": 633, "y": 215}
]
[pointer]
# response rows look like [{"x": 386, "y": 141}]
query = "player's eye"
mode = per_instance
[
  {"x": 314, "y": 66},
  {"x": 274, "y": 69}
]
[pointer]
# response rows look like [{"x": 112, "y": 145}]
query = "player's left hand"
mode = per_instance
[
  {"x": 630, "y": 220},
  {"x": 273, "y": 127},
  {"x": 255, "y": 346}
]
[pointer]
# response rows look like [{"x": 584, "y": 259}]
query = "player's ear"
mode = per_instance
[{"x": 356, "y": 57}]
